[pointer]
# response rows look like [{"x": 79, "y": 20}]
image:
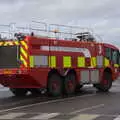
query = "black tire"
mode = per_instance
[
  {"x": 19, "y": 92},
  {"x": 55, "y": 85},
  {"x": 106, "y": 83},
  {"x": 70, "y": 84}
]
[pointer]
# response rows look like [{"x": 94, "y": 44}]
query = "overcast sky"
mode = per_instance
[{"x": 103, "y": 16}]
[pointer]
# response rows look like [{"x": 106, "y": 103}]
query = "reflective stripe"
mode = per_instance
[
  {"x": 41, "y": 60},
  {"x": 93, "y": 62},
  {"x": 23, "y": 52},
  {"x": 52, "y": 61},
  {"x": 81, "y": 62},
  {"x": 116, "y": 65},
  {"x": 24, "y": 44},
  {"x": 106, "y": 62},
  {"x": 1, "y": 43},
  {"x": 67, "y": 61},
  {"x": 23, "y": 60},
  {"x": 8, "y": 43},
  {"x": 16, "y": 43},
  {"x": 85, "y": 51},
  {"x": 31, "y": 61}
]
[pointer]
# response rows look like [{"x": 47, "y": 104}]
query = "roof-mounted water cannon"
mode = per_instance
[{"x": 85, "y": 36}]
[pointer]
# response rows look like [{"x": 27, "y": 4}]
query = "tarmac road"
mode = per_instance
[{"x": 87, "y": 105}]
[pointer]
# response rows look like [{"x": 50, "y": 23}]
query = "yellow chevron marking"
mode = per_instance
[
  {"x": 23, "y": 52},
  {"x": 1, "y": 43},
  {"x": 8, "y": 43},
  {"x": 23, "y": 60},
  {"x": 24, "y": 44},
  {"x": 16, "y": 43}
]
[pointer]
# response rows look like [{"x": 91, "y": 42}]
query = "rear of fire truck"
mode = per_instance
[
  {"x": 14, "y": 58},
  {"x": 14, "y": 63}
]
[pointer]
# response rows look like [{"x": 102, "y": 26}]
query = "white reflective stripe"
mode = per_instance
[
  {"x": 85, "y": 51},
  {"x": 41, "y": 60},
  {"x": 11, "y": 116},
  {"x": 45, "y": 116},
  {"x": 85, "y": 117},
  {"x": 117, "y": 118}
]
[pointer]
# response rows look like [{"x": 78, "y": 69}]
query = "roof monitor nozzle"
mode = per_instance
[{"x": 85, "y": 36}]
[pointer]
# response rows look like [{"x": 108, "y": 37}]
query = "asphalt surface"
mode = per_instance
[{"x": 88, "y": 104}]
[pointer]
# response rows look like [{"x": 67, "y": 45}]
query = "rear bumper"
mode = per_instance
[{"x": 21, "y": 78}]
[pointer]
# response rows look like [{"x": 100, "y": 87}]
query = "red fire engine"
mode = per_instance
[{"x": 59, "y": 65}]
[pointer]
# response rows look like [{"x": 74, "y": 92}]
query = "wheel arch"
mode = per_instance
[
  {"x": 62, "y": 74},
  {"x": 108, "y": 70},
  {"x": 53, "y": 71},
  {"x": 71, "y": 71}
]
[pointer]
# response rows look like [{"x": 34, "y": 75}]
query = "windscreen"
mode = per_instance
[{"x": 8, "y": 57}]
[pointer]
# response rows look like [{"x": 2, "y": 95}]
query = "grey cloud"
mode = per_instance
[{"x": 101, "y": 15}]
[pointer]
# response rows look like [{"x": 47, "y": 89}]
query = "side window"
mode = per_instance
[
  {"x": 118, "y": 57},
  {"x": 115, "y": 56},
  {"x": 108, "y": 53}
]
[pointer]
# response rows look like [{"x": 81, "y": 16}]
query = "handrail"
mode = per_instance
[{"x": 43, "y": 29}]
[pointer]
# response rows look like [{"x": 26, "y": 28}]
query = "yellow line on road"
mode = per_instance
[{"x": 85, "y": 117}]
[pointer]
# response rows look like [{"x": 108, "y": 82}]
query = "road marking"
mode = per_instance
[
  {"x": 11, "y": 116},
  {"x": 85, "y": 117},
  {"x": 117, "y": 118},
  {"x": 47, "y": 102},
  {"x": 45, "y": 116},
  {"x": 88, "y": 108}
]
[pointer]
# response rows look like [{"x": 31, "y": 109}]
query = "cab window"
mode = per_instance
[
  {"x": 108, "y": 53},
  {"x": 115, "y": 56},
  {"x": 112, "y": 55},
  {"x": 119, "y": 58}
]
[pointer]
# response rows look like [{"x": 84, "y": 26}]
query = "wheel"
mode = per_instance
[
  {"x": 55, "y": 85},
  {"x": 70, "y": 84},
  {"x": 106, "y": 82},
  {"x": 19, "y": 91}
]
